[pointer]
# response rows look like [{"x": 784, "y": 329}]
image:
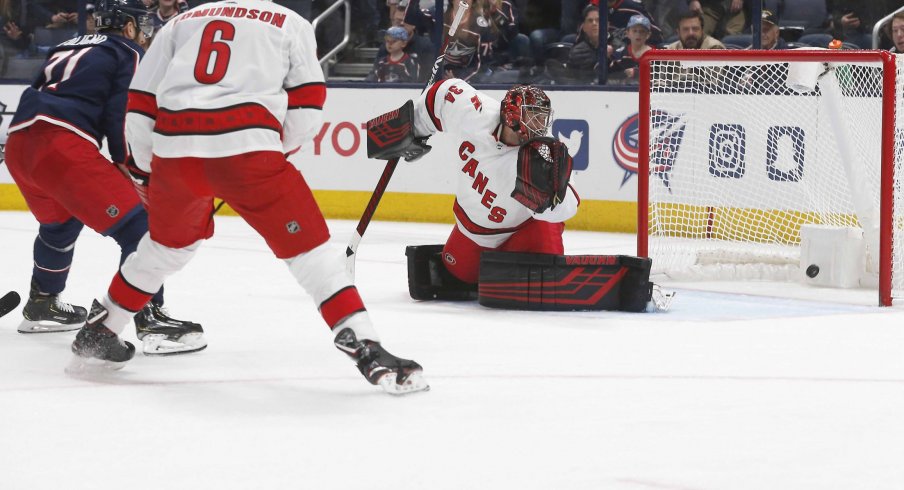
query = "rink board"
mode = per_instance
[{"x": 600, "y": 128}]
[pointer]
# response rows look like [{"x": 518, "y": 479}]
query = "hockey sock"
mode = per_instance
[
  {"x": 122, "y": 302},
  {"x": 53, "y": 252},
  {"x": 321, "y": 272},
  {"x": 127, "y": 234}
]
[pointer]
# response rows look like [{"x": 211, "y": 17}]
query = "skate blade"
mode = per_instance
[
  {"x": 46, "y": 326},
  {"x": 81, "y": 366},
  {"x": 156, "y": 344},
  {"x": 414, "y": 383}
]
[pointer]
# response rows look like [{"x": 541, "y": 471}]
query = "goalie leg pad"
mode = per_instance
[
  {"x": 546, "y": 282},
  {"x": 428, "y": 278}
]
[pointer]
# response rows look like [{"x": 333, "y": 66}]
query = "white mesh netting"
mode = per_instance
[{"x": 739, "y": 160}]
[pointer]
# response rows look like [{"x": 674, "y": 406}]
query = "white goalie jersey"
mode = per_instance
[
  {"x": 484, "y": 210},
  {"x": 226, "y": 78}
]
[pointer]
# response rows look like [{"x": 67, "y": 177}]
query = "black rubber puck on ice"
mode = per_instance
[{"x": 813, "y": 270}]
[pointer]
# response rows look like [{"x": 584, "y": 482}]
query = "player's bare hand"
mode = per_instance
[
  {"x": 736, "y": 6},
  {"x": 694, "y": 6}
]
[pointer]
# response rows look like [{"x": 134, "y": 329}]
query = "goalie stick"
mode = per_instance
[
  {"x": 352, "y": 249},
  {"x": 9, "y": 302}
]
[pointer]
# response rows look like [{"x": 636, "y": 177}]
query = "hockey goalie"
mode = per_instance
[{"x": 513, "y": 195}]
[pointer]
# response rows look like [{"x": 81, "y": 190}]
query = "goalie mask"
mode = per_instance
[
  {"x": 527, "y": 110},
  {"x": 115, "y": 14}
]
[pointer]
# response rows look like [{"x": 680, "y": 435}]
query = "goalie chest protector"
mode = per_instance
[{"x": 526, "y": 281}]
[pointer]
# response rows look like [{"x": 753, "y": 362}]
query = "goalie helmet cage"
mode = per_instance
[{"x": 739, "y": 149}]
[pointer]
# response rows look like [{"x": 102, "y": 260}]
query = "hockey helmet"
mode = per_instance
[
  {"x": 115, "y": 14},
  {"x": 527, "y": 110}
]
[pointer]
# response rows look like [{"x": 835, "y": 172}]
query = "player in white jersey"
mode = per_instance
[
  {"x": 490, "y": 135},
  {"x": 225, "y": 93}
]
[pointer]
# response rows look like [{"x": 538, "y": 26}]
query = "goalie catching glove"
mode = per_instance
[
  {"x": 544, "y": 168},
  {"x": 391, "y": 135}
]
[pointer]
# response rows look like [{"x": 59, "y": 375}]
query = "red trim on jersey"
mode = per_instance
[
  {"x": 307, "y": 96},
  {"x": 431, "y": 104},
  {"x": 126, "y": 295},
  {"x": 56, "y": 122},
  {"x": 476, "y": 229},
  {"x": 216, "y": 121},
  {"x": 144, "y": 103},
  {"x": 578, "y": 197},
  {"x": 341, "y": 305}
]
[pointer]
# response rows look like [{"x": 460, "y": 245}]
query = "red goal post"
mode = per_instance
[{"x": 739, "y": 152}]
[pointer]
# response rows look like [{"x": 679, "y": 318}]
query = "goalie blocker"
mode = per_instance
[
  {"x": 526, "y": 281},
  {"x": 391, "y": 135}
]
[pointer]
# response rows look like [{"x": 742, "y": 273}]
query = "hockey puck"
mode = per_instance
[{"x": 813, "y": 270}]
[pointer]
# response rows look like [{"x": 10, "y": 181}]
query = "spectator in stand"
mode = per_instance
[
  {"x": 570, "y": 17},
  {"x": 505, "y": 51},
  {"x": 665, "y": 13},
  {"x": 366, "y": 21},
  {"x": 625, "y": 59},
  {"x": 583, "y": 60},
  {"x": 896, "y": 32},
  {"x": 166, "y": 10},
  {"x": 720, "y": 17},
  {"x": 16, "y": 27},
  {"x": 393, "y": 6},
  {"x": 770, "y": 37},
  {"x": 397, "y": 17},
  {"x": 65, "y": 14},
  {"x": 691, "y": 34},
  {"x": 463, "y": 53},
  {"x": 397, "y": 66},
  {"x": 852, "y": 22},
  {"x": 544, "y": 29},
  {"x": 620, "y": 12},
  {"x": 419, "y": 24}
]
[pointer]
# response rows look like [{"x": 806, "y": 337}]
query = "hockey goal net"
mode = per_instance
[{"x": 742, "y": 151}]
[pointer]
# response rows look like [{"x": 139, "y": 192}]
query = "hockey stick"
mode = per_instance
[
  {"x": 9, "y": 302},
  {"x": 351, "y": 251}
]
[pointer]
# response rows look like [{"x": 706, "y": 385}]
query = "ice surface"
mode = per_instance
[{"x": 723, "y": 392}]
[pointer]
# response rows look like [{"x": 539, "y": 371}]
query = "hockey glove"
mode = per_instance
[
  {"x": 140, "y": 179},
  {"x": 391, "y": 135},
  {"x": 544, "y": 169}
]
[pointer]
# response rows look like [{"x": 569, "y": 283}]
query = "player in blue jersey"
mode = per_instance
[{"x": 53, "y": 154}]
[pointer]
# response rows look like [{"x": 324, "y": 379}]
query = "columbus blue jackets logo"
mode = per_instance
[
  {"x": 625, "y": 147},
  {"x": 666, "y": 135},
  {"x": 575, "y": 133}
]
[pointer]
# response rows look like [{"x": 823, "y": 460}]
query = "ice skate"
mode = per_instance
[
  {"x": 162, "y": 335},
  {"x": 395, "y": 375},
  {"x": 97, "y": 348},
  {"x": 46, "y": 313}
]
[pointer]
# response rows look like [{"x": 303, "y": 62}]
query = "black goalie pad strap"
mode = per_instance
[
  {"x": 544, "y": 169},
  {"x": 391, "y": 135},
  {"x": 428, "y": 278},
  {"x": 546, "y": 282}
]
